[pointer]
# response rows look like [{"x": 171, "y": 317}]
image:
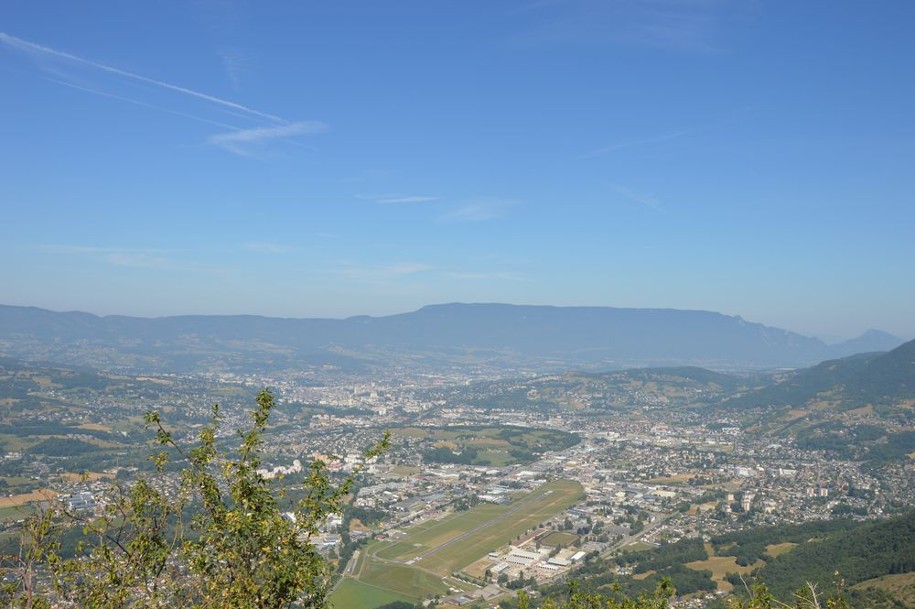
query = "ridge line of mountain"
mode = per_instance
[{"x": 501, "y": 335}]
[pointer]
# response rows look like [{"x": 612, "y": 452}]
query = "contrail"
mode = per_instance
[
  {"x": 25, "y": 45},
  {"x": 142, "y": 104}
]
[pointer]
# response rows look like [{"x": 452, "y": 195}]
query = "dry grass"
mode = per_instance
[
  {"x": 44, "y": 382},
  {"x": 478, "y": 568},
  {"x": 24, "y": 498},
  {"x": 777, "y": 549},
  {"x": 900, "y": 586},
  {"x": 88, "y": 476},
  {"x": 157, "y": 381},
  {"x": 721, "y": 566},
  {"x": 644, "y": 575},
  {"x": 676, "y": 479},
  {"x": 405, "y": 470},
  {"x": 705, "y": 507},
  {"x": 94, "y": 427},
  {"x": 863, "y": 411},
  {"x": 356, "y": 525}
]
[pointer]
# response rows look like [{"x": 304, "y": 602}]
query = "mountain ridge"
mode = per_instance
[
  {"x": 863, "y": 378},
  {"x": 494, "y": 334}
]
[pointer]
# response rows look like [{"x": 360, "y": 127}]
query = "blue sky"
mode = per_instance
[{"x": 358, "y": 157}]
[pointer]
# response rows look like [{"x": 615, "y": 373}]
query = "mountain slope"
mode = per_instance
[
  {"x": 540, "y": 337},
  {"x": 868, "y": 378},
  {"x": 866, "y": 551}
]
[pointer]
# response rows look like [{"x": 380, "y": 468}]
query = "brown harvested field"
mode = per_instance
[
  {"x": 776, "y": 549},
  {"x": 677, "y": 479},
  {"x": 89, "y": 476},
  {"x": 94, "y": 427},
  {"x": 24, "y": 498}
]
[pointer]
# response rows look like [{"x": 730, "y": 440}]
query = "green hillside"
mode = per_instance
[
  {"x": 864, "y": 552},
  {"x": 785, "y": 558},
  {"x": 868, "y": 378}
]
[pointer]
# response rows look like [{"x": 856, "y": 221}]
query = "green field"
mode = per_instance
[
  {"x": 352, "y": 594},
  {"x": 415, "y": 565},
  {"x": 515, "y": 519},
  {"x": 401, "y": 579},
  {"x": 450, "y": 544},
  {"x": 432, "y": 534},
  {"x": 16, "y": 512},
  {"x": 481, "y": 445},
  {"x": 559, "y": 539}
]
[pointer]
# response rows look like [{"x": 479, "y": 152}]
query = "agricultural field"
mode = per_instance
[
  {"x": 26, "y": 498},
  {"x": 493, "y": 446},
  {"x": 419, "y": 563}
]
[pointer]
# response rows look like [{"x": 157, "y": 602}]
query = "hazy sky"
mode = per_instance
[{"x": 317, "y": 158}]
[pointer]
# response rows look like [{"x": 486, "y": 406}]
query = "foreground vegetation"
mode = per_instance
[{"x": 219, "y": 540}]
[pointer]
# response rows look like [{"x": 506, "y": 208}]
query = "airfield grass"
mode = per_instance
[
  {"x": 401, "y": 579},
  {"x": 351, "y": 594},
  {"x": 433, "y": 533},
  {"x": 526, "y": 513},
  {"x": 459, "y": 540}
]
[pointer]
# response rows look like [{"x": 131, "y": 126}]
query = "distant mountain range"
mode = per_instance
[{"x": 477, "y": 335}]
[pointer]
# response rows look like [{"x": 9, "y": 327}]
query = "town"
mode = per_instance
[{"x": 603, "y": 472}]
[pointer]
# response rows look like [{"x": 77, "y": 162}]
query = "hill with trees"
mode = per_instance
[{"x": 867, "y": 378}]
